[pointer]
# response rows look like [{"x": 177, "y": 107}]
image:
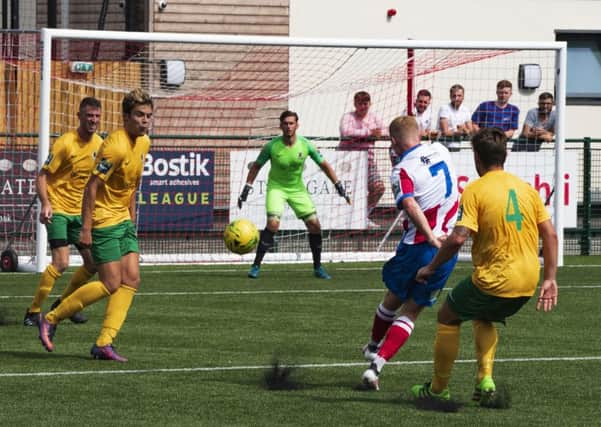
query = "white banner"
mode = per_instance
[
  {"x": 332, "y": 210},
  {"x": 538, "y": 169}
]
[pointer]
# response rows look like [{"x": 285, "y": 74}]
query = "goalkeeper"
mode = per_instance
[{"x": 287, "y": 154}]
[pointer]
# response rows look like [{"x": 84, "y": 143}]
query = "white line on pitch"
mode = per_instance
[
  {"x": 307, "y": 366},
  {"x": 334, "y": 268},
  {"x": 276, "y": 292}
]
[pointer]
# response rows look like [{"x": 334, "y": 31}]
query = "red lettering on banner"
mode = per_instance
[{"x": 538, "y": 185}]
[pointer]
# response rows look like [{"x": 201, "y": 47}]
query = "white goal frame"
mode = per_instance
[{"x": 48, "y": 35}]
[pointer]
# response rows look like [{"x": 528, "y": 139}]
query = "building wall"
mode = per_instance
[
  {"x": 82, "y": 14},
  {"x": 256, "y": 17},
  {"x": 511, "y": 20}
]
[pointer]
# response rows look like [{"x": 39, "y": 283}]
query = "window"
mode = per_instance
[{"x": 584, "y": 66}]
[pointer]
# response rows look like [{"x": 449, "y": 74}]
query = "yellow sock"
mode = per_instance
[
  {"x": 82, "y": 297},
  {"x": 49, "y": 277},
  {"x": 81, "y": 276},
  {"x": 115, "y": 314},
  {"x": 485, "y": 338},
  {"x": 446, "y": 347}
]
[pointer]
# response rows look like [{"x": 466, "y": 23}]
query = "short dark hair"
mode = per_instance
[
  {"x": 456, "y": 87},
  {"x": 424, "y": 92},
  {"x": 545, "y": 95},
  {"x": 503, "y": 84},
  {"x": 134, "y": 98},
  {"x": 288, "y": 113},
  {"x": 362, "y": 96},
  {"x": 491, "y": 146},
  {"x": 89, "y": 101}
]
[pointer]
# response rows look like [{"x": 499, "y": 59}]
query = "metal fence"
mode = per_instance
[{"x": 584, "y": 239}]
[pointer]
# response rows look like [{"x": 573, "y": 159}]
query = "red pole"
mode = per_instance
[{"x": 410, "y": 76}]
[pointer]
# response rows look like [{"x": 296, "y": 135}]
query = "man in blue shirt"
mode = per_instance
[{"x": 498, "y": 114}]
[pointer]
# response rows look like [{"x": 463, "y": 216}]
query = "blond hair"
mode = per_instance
[
  {"x": 135, "y": 97},
  {"x": 403, "y": 127}
]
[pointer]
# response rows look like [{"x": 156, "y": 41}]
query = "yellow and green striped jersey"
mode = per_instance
[
  {"x": 119, "y": 164},
  {"x": 68, "y": 166},
  {"x": 503, "y": 213}
]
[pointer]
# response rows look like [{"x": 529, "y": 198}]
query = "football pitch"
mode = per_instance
[{"x": 200, "y": 339}]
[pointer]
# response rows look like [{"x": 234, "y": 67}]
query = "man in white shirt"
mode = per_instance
[
  {"x": 454, "y": 119},
  {"x": 422, "y": 111}
]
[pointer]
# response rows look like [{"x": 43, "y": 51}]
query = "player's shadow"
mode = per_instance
[
  {"x": 367, "y": 396},
  {"x": 21, "y": 355}
]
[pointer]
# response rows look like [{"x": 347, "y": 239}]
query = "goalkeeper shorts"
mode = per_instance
[{"x": 298, "y": 199}]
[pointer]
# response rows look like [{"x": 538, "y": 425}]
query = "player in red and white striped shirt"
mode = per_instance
[{"x": 425, "y": 187}]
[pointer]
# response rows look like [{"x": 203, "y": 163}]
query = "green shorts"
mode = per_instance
[
  {"x": 298, "y": 199},
  {"x": 470, "y": 303},
  {"x": 63, "y": 230},
  {"x": 113, "y": 242}
]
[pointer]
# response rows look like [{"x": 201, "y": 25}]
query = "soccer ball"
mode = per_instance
[{"x": 241, "y": 236}]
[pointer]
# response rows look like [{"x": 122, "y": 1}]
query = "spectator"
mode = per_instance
[
  {"x": 358, "y": 131},
  {"x": 422, "y": 112},
  {"x": 539, "y": 125},
  {"x": 454, "y": 119},
  {"x": 498, "y": 114}
]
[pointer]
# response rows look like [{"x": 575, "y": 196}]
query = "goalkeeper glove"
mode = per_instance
[
  {"x": 244, "y": 195},
  {"x": 342, "y": 192}
]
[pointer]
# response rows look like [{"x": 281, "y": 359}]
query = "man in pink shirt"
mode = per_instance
[{"x": 358, "y": 131}]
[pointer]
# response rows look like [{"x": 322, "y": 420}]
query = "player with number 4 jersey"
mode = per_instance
[
  {"x": 425, "y": 187},
  {"x": 504, "y": 216}
]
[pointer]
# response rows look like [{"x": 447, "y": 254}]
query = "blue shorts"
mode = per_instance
[{"x": 399, "y": 273}]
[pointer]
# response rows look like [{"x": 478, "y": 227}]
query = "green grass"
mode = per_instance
[{"x": 189, "y": 324}]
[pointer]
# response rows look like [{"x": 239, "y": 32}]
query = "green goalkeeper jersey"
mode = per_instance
[{"x": 287, "y": 162}]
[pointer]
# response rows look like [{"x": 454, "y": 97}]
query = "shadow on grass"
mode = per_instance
[
  {"x": 5, "y": 319},
  {"x": 41, "y": 355}
]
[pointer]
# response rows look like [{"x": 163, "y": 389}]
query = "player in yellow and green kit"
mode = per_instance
[
  {"x": 505, "y": 217},
  {"x": 108, "y": 217},
  {"x": 60, "y": 186},
  {"x": 287, "y": 154}
]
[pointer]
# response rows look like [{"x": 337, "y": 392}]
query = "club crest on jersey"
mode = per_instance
[
  {"x": 94, "y": 154},
  {"x": 49, "y": 159},
  {"x": 425, "y": 159},
  {"x": 104, "y": 166}
]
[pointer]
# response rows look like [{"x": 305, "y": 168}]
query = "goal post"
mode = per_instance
[{"x": 210, "y": 124}]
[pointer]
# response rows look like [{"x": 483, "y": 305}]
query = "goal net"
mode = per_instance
[{"x": 218, "y": 100}]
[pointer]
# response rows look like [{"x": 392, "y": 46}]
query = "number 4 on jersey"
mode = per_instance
[{"x": 512, "y": 211}]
